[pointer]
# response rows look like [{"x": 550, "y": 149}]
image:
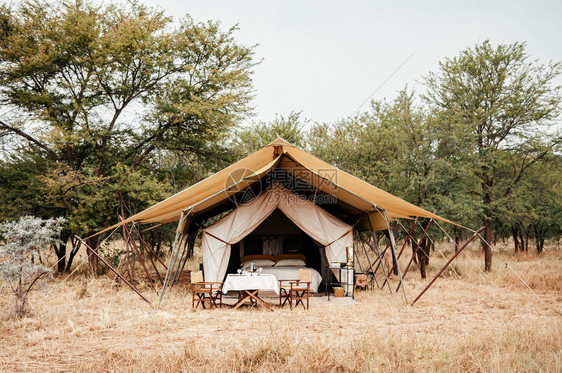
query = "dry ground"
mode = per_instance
[{"x": 472, "y": 322}]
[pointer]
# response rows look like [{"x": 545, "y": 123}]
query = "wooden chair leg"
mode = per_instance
[
  {"x": 291, "y": 300},
  {"x": 219, "y": 295}
]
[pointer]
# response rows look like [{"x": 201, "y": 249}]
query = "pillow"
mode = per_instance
[
  {"x": 259, "y": 263},
  {"x": 290, "y": 263}
]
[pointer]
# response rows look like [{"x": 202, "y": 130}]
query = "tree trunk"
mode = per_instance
[
  {"x": 423, "y": 257},
  {"x": 414, "y": 244},
  {"x": 73, "y": 252},
  {"x": 514, "y": 233},
  {"x": 486, "y": 246},
  {"x": 487, "y": 221},
  {"x": 521, "y": 231},
  {"x": 60, "y": 251},
  {"x": 539, "y": 239},
  {"x": 394, "y": 265},
  {"x": 92, "y": 259},
  {"x": 21, "y": 296},
  {"x": 21, "y": 308}
]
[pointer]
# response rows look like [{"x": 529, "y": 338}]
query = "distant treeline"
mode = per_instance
[{"x": 107, "y": 109}]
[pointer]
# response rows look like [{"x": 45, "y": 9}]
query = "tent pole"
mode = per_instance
[
  {"x": 392, "y": 248},
  {"x": 383, "y": 252},
  {"x": 365, "y": 251},
  {"x": 382, "y": 255},
  {"x": 113, "y": 269},
  {"x": 176, "y": 248},
  {"x": 168, "y": 272},
  {"x": 447, "y": 264},
  {"x": 368, "y": 259},
  {"x": 405, "y": 241},
  {"x": 374, "y": 275},
  {"x": 177, "y": 262},
  {"x": 147, "y": 246},
  {"x": 357, "y": 257},
  {"x": 183, "y": 257},
  {"x": 417, "y": 247},
  {"x": 149, "y": 249},
  {"x": 378, "y": 252},
  {"x": 188, "y": 247},
  {"x": 183, "y": 244},
  {"x": 134, "y": 246}
]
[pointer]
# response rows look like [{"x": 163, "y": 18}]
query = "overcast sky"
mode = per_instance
[{"x": 325, "y": 58}]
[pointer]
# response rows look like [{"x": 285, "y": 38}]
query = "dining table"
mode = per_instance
[{"x": 249, "y": 285}]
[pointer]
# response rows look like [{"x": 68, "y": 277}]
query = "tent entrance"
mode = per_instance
[{"x": 277, "y": 234}]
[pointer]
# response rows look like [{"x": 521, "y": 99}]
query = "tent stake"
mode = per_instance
[
  {"x": 417, "y": 247},
  {"x": 113, "y": 269},
  {"x": 447, "y": 264}
]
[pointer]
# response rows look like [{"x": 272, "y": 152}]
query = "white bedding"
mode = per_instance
[{"x": 292, "y": 273}]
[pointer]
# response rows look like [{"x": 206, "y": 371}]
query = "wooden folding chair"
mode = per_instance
[
  {"x": 363, "y": 281},
  {"x": 205, "y": 291},
  {"x": 296, "y": 290}
]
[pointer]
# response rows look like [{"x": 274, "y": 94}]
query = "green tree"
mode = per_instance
[
  {"x": 101, "y": 93},
  {"x": 534, "y": 205},
  {"x": 291, "y": 128},
  {"x": 500, "y": 101}
]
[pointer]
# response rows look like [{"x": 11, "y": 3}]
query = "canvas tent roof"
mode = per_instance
[{"x": 219, "y": 187}]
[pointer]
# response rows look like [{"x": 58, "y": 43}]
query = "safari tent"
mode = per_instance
[{"x": 278, "y": 198}]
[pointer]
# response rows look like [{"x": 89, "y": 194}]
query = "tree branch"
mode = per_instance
[
  {"x": 33, "y": 282},
  {"x": 29, "y": 138}
]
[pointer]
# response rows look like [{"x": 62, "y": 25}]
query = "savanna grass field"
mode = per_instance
[{"x": 469, "y": 321}]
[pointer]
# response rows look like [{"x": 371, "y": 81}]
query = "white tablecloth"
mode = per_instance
[{"x": 261, "y": 282}]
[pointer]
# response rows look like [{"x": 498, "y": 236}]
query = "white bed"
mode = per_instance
[
  {"x": 292, "y": 273},
  {"x": 284, "y": 267}
]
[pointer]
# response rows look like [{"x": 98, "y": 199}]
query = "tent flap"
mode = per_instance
[{"x": 323, "y": 227}]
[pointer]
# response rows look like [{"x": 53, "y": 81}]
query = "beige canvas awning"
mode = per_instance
[{"x": 251, "y": 169}]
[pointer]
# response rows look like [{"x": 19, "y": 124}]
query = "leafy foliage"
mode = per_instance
[
  {"x": 291, "y": 128},
  {"x": 100, "y": 96},
  {"x": 24, "y": 238},
  {"x": 503, "y": 105}
]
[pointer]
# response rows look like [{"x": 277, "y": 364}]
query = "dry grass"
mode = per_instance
[{"x": 475, "y": 322}]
